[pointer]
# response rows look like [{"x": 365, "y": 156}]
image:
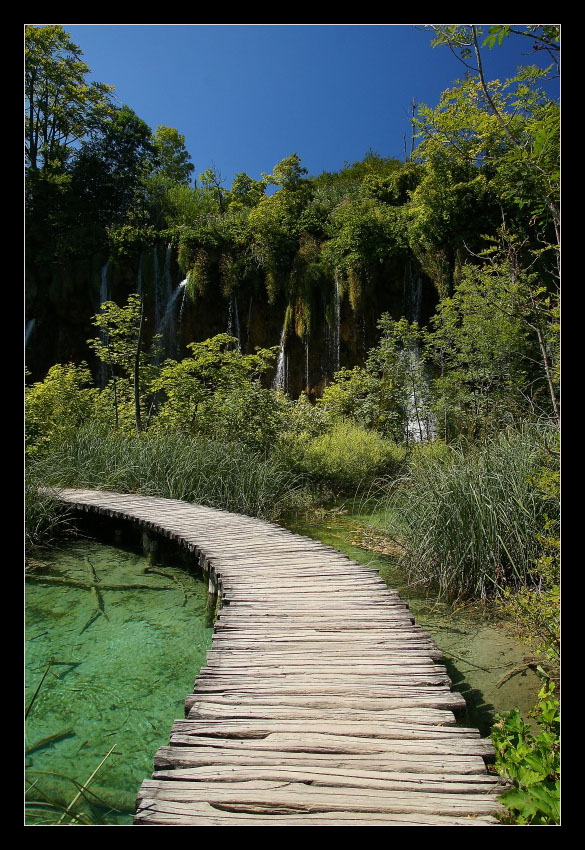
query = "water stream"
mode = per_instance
[{"x": 280, "y": 377}]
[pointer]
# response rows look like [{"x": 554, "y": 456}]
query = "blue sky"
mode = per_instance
[{"x": 246, "y": 96}]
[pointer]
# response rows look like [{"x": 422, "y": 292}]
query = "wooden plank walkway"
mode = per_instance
[{"x": 321, "y": 702}]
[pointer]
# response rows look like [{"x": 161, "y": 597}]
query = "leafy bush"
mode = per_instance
[
  {"x": 531, "y": 761},
  {"x": 346, "y": 457},
  {"x": 58, "y": 405}
]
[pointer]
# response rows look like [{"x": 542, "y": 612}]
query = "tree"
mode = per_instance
[
  {"x": 172, "y": 159},
  {"x": 120, "y": 347},
  {"x": 463, "y": 41},
  {"x": 61, "y": 107},
  {"x": 246, "y": 191},
  {"x": 216, "y": 390},
  {"x": 492, "y": 359},
  {"x": 109, "y": 170},
  {"x": 212, "y": 182}
]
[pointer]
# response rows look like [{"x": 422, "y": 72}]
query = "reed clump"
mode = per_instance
[
  {"x": 470, "y": 521},
  {"x": 174, "y": 465}
]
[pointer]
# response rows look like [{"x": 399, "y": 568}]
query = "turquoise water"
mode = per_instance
[{"x": 123, "y": 661}]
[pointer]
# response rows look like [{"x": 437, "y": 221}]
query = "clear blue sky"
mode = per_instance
[{"x": 246, "y": 96}]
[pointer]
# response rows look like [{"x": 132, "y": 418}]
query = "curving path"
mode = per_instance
[{"x": 321, "y": 702}]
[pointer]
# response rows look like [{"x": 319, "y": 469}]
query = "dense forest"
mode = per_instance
[{"x": 290, "y": 340}]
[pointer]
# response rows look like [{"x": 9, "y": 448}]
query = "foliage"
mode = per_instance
[
  {"x": 531, "y": 760},
  {"x": 45, "y": 519},
  {"x": 173, "y": 161},
  {"x": 391, "y": 390},
  {"x": 175, "y": 465},
  {"x": 491, "y": 151},
  {"x": 108, "y": 171},
  {"x": 483, "y": 357},
  {"x": 469, "y": 520},
  {"x": 245, "y": 191},
  {"x": 58, "y": 405},
  {"x": 62, "y": 108},
  {"x": 345, "y": 457},
  {"x": 535, "y": 610},
  {"x": 363, "y": 235},
  {"x": 216, "y": 389},
  {"x": 130, "y": 368}
]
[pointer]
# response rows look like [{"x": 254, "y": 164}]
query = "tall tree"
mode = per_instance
[
  {"x": 172, "y": 158},
  {"x": 109, "y": 169},
  {"x": 62, "y": 108}
]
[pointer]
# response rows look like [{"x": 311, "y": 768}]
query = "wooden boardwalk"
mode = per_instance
[{"x": 321, "y": 702}]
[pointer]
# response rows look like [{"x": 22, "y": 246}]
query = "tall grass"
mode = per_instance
[
  {"x": 469, "y": 521},
  {"x": 45, "y": 519},
  {"x": 174, "y": 465}
]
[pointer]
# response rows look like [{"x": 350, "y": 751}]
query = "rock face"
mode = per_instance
[{"x": 62, "y": 300}]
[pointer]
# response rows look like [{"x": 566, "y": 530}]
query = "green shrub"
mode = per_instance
[
  {"x": 58, "y": 405},
  {"x": 347, "y": 457},
  {"x": 424, "y": 451},
  {"x": 531, "y": 760}
]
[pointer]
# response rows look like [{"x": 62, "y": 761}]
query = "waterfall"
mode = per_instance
[
  {"x": 167, "y": 272},
  {"x": 333, "y": 335},
  {"x": 104, "y": 282},
  {"x": 237, "y": 322},
  {"x": 28, "y": 330},
  {"x": 139, "y": 279},
  {"x": 103, "y": 299},
  {"x": 233, "y": 328},
  {"x": 337, "y": 325},
  {"x": 420, "y": 423},
  {"x": 167, "y": 323},
  {"x": 249, "y": 326},
  {"x": 325, "y": 359},
  {"x": 306, "y": 364},
  {"x": 157, "y": 293},
  {"x": 280, "y": 377},
  {"x": 184, "y": 285}
]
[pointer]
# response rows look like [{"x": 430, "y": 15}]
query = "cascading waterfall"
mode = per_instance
[
  {"x": 166, "y": 325},
  {"x": 420, "y": 424},
  {"x": 167, "y": 272},
  {"x": 104, "y": 282},
  {"x": 237, "y": 323},
  {"x": 306, "y": 363},
  {"x": 103, "y": 299},
  {"x": 333, "y": 336},
  {"x": 168, "y": 318},
  {"x": 183, "y": 284},
  {"x": 249, "y": 326},
  {"x": 280, "y": 377},
  {"x": 326, "y": 357},
  {"x": 233, "y": 328},
  {"x": 28, "y": 330},
  {"x": 139, "y": 278},
  {"x": 158, "y": 311},
  {"x": 337, "y": 325}
]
